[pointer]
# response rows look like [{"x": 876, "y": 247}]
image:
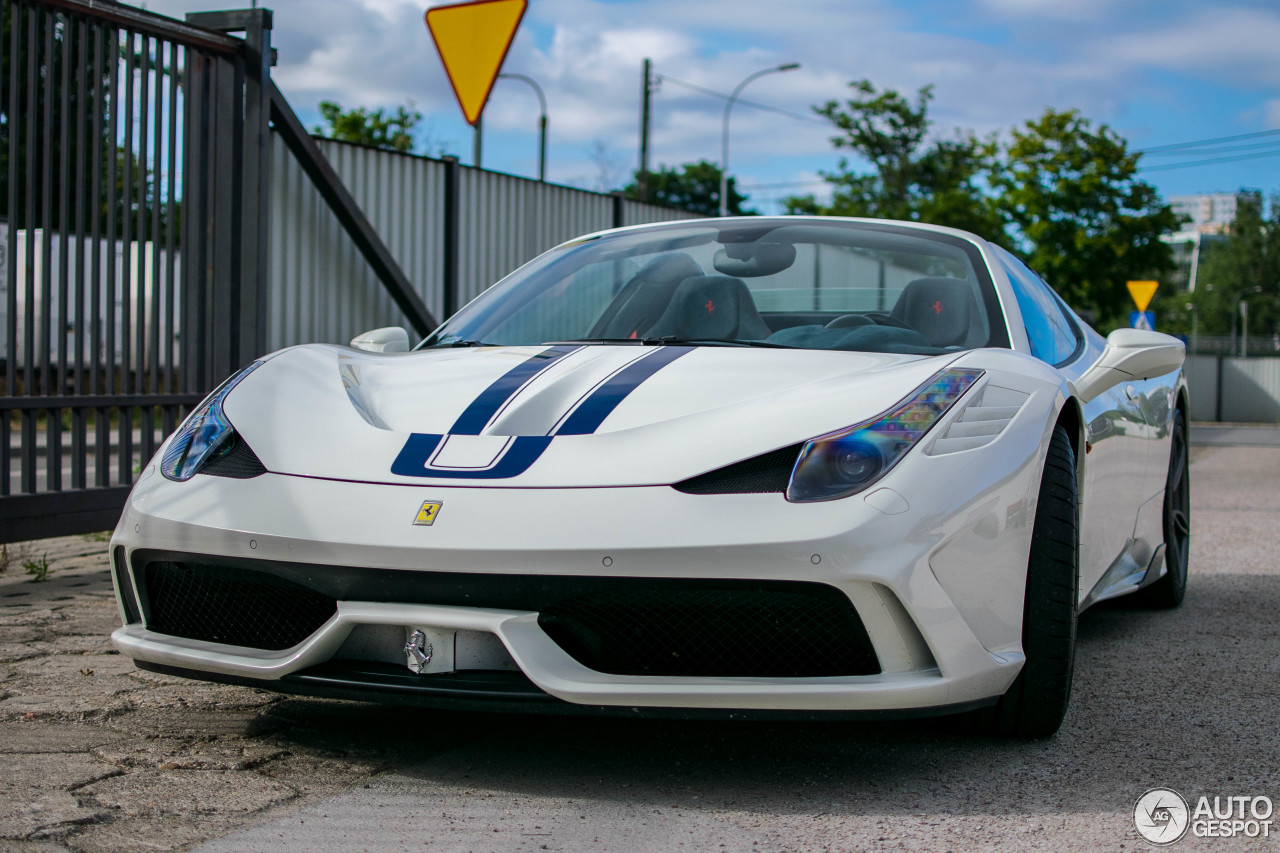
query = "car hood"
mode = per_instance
[{"x": 553, "y": 415}]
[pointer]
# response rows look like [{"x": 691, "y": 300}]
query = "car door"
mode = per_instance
[{"x": 1115, "y": 425}]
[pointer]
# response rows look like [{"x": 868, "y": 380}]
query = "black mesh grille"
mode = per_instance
[
  {"x": 769, "y": 472},
  {"x": 239, "y": 607},
  {"x": 807, "y": 630},
  {"x": 239, "y": 462}
]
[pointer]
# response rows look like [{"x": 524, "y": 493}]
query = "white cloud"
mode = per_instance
[
  {"x": 993, "y": 63},
  {"x": 1271, "y": 113},
  {"x": 1235, "y": 45}
]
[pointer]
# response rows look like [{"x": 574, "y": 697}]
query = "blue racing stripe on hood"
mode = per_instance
[
  {"x": 587, "y": 418},
  {"x": 491, "y": 400}
]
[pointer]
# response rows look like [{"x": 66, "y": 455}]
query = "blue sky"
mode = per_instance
[{"x": 1158, "y": 71}]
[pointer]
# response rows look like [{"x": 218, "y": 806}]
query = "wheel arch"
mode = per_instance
[{"x": 1071, "y": 418}]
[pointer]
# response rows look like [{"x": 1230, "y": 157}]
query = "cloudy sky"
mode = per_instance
[{"x": 1161, "y": 72}]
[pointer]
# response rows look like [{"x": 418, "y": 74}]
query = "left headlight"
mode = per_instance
[
  {"x": 204, "y": 432},
  {"x": 844, "y": 463}
]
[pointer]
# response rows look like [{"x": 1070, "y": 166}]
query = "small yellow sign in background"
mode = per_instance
[
  {"x": 472, "y": 40},
  {"x": 1142, "y": 291}
]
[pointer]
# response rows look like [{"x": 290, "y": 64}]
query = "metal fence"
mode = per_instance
[
  {"x": 129, "y": 188},
  {"x": 1258, "y": 343},
  {"x": 145, "y": 163},
  {"x": 453, "y": 230},
  {"x": 1234, "y": 390}
]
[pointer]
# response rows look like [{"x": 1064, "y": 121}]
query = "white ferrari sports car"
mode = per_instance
[{"x": 793, "y": 466}]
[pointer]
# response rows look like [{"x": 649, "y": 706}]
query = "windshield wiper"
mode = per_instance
[
  {"x": 635, "y": 342},
  {"x": 451, "y": 344},
  {"x": 722, "y": 342}
]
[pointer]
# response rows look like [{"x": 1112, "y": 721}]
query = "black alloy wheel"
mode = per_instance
[{"x": 1171, "y": 588}]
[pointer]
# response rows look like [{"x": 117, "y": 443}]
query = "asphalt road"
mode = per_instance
[{"x": 118, "y": 760}]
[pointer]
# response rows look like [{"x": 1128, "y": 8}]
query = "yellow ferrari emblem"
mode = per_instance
[{"x": 428, "y": 512}]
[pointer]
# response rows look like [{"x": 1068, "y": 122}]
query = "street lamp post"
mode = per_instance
[
  {"x": 1244, "y": 314},
  {"x": 724, "y": 131},
  {"x": 542, "y": 122}
]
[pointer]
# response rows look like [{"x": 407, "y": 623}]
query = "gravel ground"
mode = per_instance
[{"x": 98, "y": 756}]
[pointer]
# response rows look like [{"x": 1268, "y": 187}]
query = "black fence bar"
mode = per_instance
[
  {"x": 32, "y": 403},
  {"x": 83, "y": 309},
  {"x": 171, "y": 244},
  {"x": 452, "y": 235},
  {"x": 142, "y": 21}
]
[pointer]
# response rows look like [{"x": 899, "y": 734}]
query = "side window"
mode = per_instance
[{"x": 1054, "y": 338}]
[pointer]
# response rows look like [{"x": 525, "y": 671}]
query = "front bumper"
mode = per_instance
[{"x": 937, "y": 585}]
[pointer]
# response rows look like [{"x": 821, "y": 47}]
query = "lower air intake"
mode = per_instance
[
  {"x": 238, "y": 607},
  {"x": 802, "y": 630}
]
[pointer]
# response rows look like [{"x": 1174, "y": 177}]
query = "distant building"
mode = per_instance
[{"x": 1211, "y": 213}]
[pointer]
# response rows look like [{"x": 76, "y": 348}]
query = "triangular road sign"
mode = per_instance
[
  {"x": 472, "y": 40},
  {"x": 1142, "y": 291}
]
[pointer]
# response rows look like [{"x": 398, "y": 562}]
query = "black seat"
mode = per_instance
[
  {"x": 712, "y": 307},
  {"x": 645, "y": 297},
  {"x": 942, "y": 310}
]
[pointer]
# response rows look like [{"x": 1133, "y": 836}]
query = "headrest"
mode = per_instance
[
  {"x": 711, "y": 306},
  {"x": 940, "y": 309},
  {"x": 670, "y": 266}
]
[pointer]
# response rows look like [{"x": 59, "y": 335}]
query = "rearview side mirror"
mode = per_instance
[
  {"x": 387, "y": 339},
  {"x": 1131, "y": 354}
]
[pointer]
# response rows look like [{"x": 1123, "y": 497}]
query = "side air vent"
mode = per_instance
[
  {"x": 769, "y": 472},
  {"x": 981, "y": 422},
  {"x": 238, "y": 463}
]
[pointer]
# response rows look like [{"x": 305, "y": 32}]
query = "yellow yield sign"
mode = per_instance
[
  {"x": 472, "y": 40},
  {"x": 1142, "y": 291}
]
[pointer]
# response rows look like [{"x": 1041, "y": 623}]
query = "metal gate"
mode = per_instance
[
  {"x": 135, "y": 154},
  {"x": 135, "y": 167}
]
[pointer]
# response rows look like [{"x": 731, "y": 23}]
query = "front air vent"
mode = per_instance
[
  {"x": 238, "y": 462},
  {"x": 769, "y": 472},
  {"x": 981, "y": 422},
  {"x": 710, "y": 629},
  {"x": 232, "y": 605}
]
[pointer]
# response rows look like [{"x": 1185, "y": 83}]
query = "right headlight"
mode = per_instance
[
  {"x": 844, "y": 463},
  {"x": 205, "y": 431}
]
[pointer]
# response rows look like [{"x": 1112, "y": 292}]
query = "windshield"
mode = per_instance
[{"x": 771, "y": 282}]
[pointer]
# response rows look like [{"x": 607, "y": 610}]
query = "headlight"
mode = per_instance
[
  {"x": 846, "y": 462},
  {"x": 204, "y": 432}
]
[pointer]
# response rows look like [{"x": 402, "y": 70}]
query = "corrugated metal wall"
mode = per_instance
[
  {"x": 322, "y": 290},
  {"x": 1202, "y": 386},
  {"x": 1247, "y": 392}
]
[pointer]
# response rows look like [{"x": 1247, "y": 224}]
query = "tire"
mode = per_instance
[
  {"x": 1036, "y": 703},
  {"x": 1171, "y": 588}
]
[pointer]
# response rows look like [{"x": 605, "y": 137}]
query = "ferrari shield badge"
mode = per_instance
[{"x": 427, "y": 513}]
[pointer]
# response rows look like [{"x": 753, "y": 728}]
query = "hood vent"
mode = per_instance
[
  {"x": 768, "y": 472},
  {"x": 981, "y": 421}
]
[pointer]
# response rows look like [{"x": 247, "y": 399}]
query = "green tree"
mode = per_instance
[
  {"x": 912, "y": 177},
  {"x": 1234, "y": 269},
  {"x": 694, "y": 187},
  {"x": 1073, "y": 204},
  {"x": 375, "y": 128}
]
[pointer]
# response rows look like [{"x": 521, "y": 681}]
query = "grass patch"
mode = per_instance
[{"x": 38, "y": 571}]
